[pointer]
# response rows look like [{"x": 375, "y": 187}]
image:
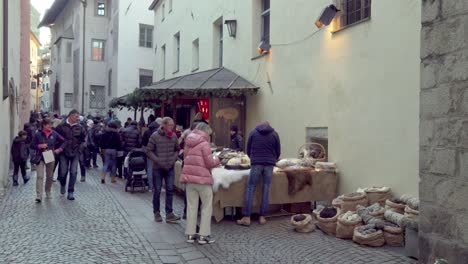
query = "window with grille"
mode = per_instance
[
  {"x": 146, "y": 77},
  {"x": 265, "y": 21},
  {"x": 98, "y": 50},
  {"x": 352, "y": 12},
  {"x": 68, "y": 100},
  {"x": 146, "y": 36},
  {"x": 101, "y": 7},
  {"x": 97, "y": 97}
]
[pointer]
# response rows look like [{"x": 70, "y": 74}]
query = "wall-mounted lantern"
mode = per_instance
[
  {"x": 327, "y": 16},
  {"x": 232, "y": 27}
]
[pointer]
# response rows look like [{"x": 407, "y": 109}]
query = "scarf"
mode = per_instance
[{"x": 47, "y": 132}]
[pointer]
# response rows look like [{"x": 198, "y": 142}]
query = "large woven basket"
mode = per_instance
[{"x": 304, "y": 151}]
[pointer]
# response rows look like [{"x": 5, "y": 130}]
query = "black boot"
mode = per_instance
[{"x": 15, "y": 180}]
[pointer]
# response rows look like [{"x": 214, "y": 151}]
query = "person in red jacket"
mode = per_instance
[{"x": 196, "y": 174}]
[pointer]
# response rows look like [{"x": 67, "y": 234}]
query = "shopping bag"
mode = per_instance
[{"x": 48, "y": 156}]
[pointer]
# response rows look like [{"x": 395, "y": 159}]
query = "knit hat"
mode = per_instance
[{"x": 234, "y": 128}]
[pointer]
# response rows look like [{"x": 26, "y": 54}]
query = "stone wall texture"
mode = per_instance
[{"x": 444, "y": 131}]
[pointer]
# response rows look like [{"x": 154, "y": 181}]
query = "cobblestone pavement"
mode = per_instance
[{"x": 107, "y": 225}]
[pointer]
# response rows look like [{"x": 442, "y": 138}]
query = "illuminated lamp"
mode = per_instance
[
  {"x": 264, "y": 47},
  {"x": 327, "y": 16}
]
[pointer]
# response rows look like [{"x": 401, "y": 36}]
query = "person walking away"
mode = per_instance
[
  {"x": 163, "y": 150},
  {"x": 131, "y": 139},
  {"x": 19, "y": 155},
  {"x": 196, "y": 174},
  {"x": 264, "y": 150},
  {"x": 93, "y": 146},
  {"x": 237, "y": 142},
  {"x": 44, "y": 140},
  {"x": 152, "y": 127},
  {"x": 75, "y": 136},
  {"x": 110, "y": 145},
  {"x": 83, "y": 151}
]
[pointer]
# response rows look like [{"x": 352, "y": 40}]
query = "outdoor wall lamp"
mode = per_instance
[
  {"x": 232, "y": 27},
  {"x": 264, "y": 47},
  {"x": 327, "y": 16}
]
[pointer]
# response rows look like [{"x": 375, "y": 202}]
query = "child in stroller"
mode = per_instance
[{"x": 135, "y": 169}]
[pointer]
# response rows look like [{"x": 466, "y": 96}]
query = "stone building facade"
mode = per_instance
[{"x": 444, "y": 131}]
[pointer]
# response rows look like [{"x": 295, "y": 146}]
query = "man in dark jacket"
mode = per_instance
[
  {"x": 163, "y": 150},
  {"x": 264, "y": 150},
  {"x": 74, "y": 135},
  {"x": 92, "y": 143},
  {"x": 152, "y": 127},
  {"x": 131, "y": 138},
  {"x": 19, "y": 155},
  {"x": 237, "y": 142}
]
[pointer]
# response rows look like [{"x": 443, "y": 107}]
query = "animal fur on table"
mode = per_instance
[
  {"x": 298, "y": 179},
  {"x": 223, "y": 177}
]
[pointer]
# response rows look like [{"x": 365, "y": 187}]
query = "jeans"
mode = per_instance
[
  {"x": 168, "y": 177},
  {"x": 17, "y": 166},
  {"x": 83, "y": 164},
  {"x": 265, "y": 172},
  {"x": 93, "y": 151},
  {"x": 111, "y": 162},
  {"x": 149, "y": 173},
  {"x": 68, "y": 165}
]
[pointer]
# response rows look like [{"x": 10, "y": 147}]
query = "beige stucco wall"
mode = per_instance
[{"x": 362, "y": 82}]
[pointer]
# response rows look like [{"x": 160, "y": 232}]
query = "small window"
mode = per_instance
[
  {"x": 146, "y": 36},
  {"x": 68, "y": 100},
  {"x": 101, "y": 7},
  {"x": 98, "y": 50},
  {"x": 163, "y": 11},
  {"x": 69, "y": 53},
  {"x": 177, "y": 52},
  {"x": 352, "y": 12},
  {"x": 97, "y": 97},
  {"x": 265, "y": 32},
  {"x": 146, "y": 77},
  {"x": 163, "y": 62},
  {"x": 195, "y": 55},
  {"x": 47, "y": 87},
  {"x": 170, "y": 6}
]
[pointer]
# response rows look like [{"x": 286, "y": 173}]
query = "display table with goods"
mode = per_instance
[{"x": 295, "y": 182}]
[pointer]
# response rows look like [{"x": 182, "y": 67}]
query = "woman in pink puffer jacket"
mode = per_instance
[{"x": 196, "y": 174}]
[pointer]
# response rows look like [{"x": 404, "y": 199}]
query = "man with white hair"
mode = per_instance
[{"x": 163, "y": 150}]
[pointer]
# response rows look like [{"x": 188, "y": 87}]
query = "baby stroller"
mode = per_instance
[{"x": 135, "y": 170}]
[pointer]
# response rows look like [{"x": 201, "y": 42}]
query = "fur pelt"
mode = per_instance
[
  {"x": 298, "y": 179},
  {"x": 224, "y": 178}
]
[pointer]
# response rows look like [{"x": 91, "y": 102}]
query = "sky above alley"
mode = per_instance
[{"x": 42, "y": 6}]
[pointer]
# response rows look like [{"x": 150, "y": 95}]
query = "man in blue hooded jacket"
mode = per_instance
[{"x": 264, "y": 150}]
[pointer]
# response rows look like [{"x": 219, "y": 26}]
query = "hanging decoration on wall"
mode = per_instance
[
  {"x": 204, "y": 108},
  {"x": 228, "y": 114}
]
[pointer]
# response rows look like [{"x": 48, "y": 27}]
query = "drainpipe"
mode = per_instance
[{"x": 84, "y": 2}]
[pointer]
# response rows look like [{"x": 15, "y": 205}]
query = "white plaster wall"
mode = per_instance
[
  {"x": 362, "y": 82},
  {"x": 6, "y": 116}
]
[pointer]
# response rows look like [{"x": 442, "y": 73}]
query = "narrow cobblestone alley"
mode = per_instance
[{"x": 107, "y": 225}]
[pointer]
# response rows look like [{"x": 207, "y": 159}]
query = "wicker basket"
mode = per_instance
[{"x": 305, "y": 149}]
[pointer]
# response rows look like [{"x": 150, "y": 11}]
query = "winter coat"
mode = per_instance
[
  {"x": 31, "y": 130},
  {"x": 153, "y": 127},
  {"x": 237, "y": 142},
  {"x": 19, "y": 150},
  {"x": 74, "y": 135},
  {"x": 163, "y": 150},
  {"x": 53, "y": 140},
  {"x": 263, "y": 146},
  {"x": 198, "y": 160},
  {"x": 131, "y": 138},
  {"x": 111, "y": 140}
]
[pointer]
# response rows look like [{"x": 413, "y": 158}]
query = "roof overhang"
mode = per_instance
[
  {"x": 53, "y": 12},
  {"x": 219, "y": 82},
  {"x": 153, "y": 4},
  {"x": 67, "y": 34}
]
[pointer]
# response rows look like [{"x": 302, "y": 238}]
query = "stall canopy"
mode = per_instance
[{"x": 219, "y": 82}]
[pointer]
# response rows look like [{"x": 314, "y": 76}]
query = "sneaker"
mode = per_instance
[
  {"x": 262, "y": 220},
  {"x": 191, "y": 239},
  {"x": 15, "y": 183},
  {"x": 157, "y": 217},
  {"x": 62, "y": 189},
  {"x": 83, "y": 179},
  {"x": 245, "y": 221},
  {"x": 70, "y": 196},
  {"x": 202, "y": 240},
  {"x": 48, "y": 195},
  {"x": 38, "y": 200},
  {"x": 172, "y": 218}
]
